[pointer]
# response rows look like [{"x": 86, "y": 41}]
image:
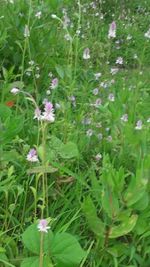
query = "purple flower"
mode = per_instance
[
  {"x": 43, "y": 226},
  {"x": 138, "y": 125},
  {"x": 32, "y": 155},
  {"x": 48, "y": 114},
  {"x": 54, "y": 83},
  {"x": 112, "y": 30},
  {"x": 111, "y": 97}
]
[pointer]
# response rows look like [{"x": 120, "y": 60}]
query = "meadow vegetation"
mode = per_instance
[{"x": 74, "y": 133}]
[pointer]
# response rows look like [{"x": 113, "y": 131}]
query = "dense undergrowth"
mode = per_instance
[{"x": 83, "y": 164}]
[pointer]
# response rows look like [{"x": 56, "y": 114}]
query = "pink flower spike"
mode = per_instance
[
  {"x": 32, "y": 156},
  {"x": 54, "y": 83},
  {"x": 112, "y": 30},
  {"x": 43, "y": 226},
  {"x": 48, "y": 106}
]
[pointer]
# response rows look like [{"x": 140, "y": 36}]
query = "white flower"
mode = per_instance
[
  {"x": 32, "y": 156},
  {"x": 37, "y": 114},
  {"x": 98, "y": 157},
  {"x": 15, "y": 91},
  {"x": 148, "y": 120},
  {"x": 86, "y": 53},
  {"x": 97, "y": 75},
  {"x": 124, "y": 117},
  {"x": 38, "y": 14},
  {"x": 113, "y": 71},
  {"x": 119, "y": 60},
  {"x": 53, "y": 16},
  {"x": 138, "y": 125},
  {"x": 26, "y": 31},
  {"x": 147, "y": 34},
  {"x": 43, "y": 226},
  {"x": 89, "y": 132}
]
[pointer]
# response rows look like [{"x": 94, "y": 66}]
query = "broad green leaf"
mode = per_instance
[
  {"x": 31, "y": 239},
  {"x": 95, "y": 223},
  {"x": 110, "y": 203},
  {"x": 69, "y": 150},
  {"x": 66, "y": 250},
  {"x": 34, "y": 262},
  {"x": 135, "y": 191},
  {"x": 124, "y": 227}
]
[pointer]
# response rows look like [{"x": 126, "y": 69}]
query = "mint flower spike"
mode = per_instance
[
  {"x": 43, "y": 226},
  {"x": 32, "y": 155}
]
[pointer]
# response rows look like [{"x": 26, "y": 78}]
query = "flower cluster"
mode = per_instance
[{"x": 48, "y": 113}]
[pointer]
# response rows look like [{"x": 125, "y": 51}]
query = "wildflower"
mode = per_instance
[
  {"x": 98, "y": 102},
  {"x": 38, "y": 14},
  {"x": 98, "y": 157},
  {"x": 86, "y": 121},
  {"x": 37, "y": 114},
  {"x": 53, "y": 16},
  {"x": 138, "y": 125},
  {"x": 109, "y": 138},
  {"x": 147, "y": 34},
  {"x": 111, "y": 97},
  {"x": 32, "y": 155},
  {"x": 43, "y": 226},
  {"x": 148, "y": 120},
  {"x": 95, "y": 91},
  {"x": 68, "y": 37},
  {"x": 113, "y": 71},
  {"x": 26, "y": 31},
  {"x": 100, "y": 136},
  {"x": 129, "y": 37},
  {"x": 112, "y": 30},
  {"x": 97, "y": 75},
  {"x": 31, "y": 62},
  {"x": 89, "y": 132},
  {"x": 124, "y": 117},
  {"x": 54, "y": 83},
  {"x": 37, "y": 75},
  {"x": 48, "y": 92},
  {"x": 119, "y": 60},
  {"x": 86, "y": 53},
  {"x": 15, "y": 91},
  {"x": 48, "y": 114}
]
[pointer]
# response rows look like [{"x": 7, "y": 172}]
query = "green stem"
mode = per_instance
[{"x": 41, "y": 249}]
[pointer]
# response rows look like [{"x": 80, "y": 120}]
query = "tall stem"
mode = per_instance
[{"x": 41, "y": 249}]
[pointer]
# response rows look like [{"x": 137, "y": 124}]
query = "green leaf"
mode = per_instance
[
  {"x": 66, "y": 250},
  {"x": 41, "y": 169},
  {"x": 95, "y": 223},
  {"x": 69, "y": 150},
  {"x": 124, "y": 228},
  {"x": 60, "y": 71},
  {"x": 5, "y": 112},
  {"x": 31, "y": 239},
  {"x": 34, "y": 262}
]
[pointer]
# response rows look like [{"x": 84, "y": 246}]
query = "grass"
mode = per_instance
[{"x": 93, "y": 169}]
